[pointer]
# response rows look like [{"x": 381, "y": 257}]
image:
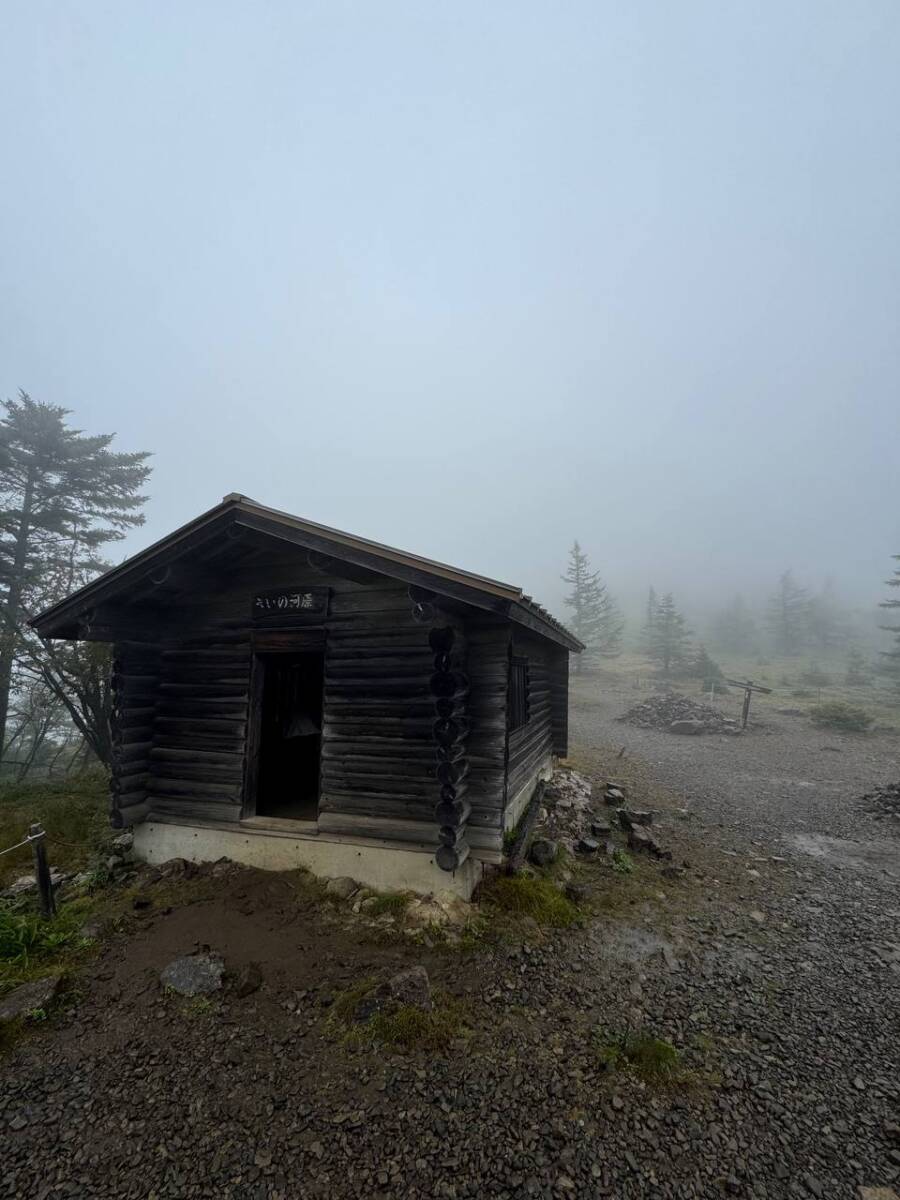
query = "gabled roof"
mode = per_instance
[{"x": 237, "y": 510}]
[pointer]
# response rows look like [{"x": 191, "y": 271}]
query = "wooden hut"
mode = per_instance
[{"x": 286, "y": 694}]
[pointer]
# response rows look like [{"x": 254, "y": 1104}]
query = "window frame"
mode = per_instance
[{"x": 518, "y": 698}]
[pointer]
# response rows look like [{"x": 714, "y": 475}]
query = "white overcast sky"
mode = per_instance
[{"x": 476, "y": 278}]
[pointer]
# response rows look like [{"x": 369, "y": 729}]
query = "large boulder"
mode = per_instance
[{"x": 194, "y": 975}]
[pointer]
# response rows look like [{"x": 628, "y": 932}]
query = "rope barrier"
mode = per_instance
[{"x": 30, "y": 838}]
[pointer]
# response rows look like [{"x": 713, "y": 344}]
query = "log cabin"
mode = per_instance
[{"x": 285, "y": 694}]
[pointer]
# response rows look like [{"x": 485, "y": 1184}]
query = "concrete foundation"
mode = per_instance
[{"x": 383, "y": 866}]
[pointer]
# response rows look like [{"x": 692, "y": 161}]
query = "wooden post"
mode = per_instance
[
  {"x": 745, "y": 712},
  {"x": 41, "y": 870}
]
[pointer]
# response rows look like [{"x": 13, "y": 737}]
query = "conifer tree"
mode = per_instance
[
  {"x": 64, "y": 496},
  {"x": 788, "y": 617},
  {"x": 596, "y": 619},
  {"x": 734, "y": 629},
  {"x": 669, "y": 639}
]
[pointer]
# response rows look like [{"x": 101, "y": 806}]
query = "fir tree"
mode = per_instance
[
  {"x": 857, "y": 668},
  {"x": 649, "y": 619},
  {"x": 64, "y": 496},
  {"x": 708, "y": 671},
  {"x": 734, "y": 629},
  {"x": 669, "y": 639},
  {"x": 893, "y": 656},
  {"x": 788, "y": 618},
  {"x": 596, "y": 619}
]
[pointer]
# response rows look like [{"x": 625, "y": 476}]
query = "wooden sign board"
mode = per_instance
[{"x": 291, "y": 603}]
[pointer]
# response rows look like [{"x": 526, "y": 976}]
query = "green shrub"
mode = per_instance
[
  {"x": 622, "y": 862},
  {"x": 836, "y": 714}
]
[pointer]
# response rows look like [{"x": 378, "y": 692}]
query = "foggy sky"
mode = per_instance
[{"x": 476, "y": 279}]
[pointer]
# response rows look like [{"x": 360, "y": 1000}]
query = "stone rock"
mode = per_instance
[
  {"x": 194, "y": 975},
  {"x": 578, "y": 893},
  {"x": 411, "y": 986},
  {"x": 689, "y": 726},
  {"x": 629, "y": 817},
  {"x": 613, "y": 796},
  {"x": 123, "y": 844},
  {"x": 543, "y": 852},
  {"x": 588, "y": 845},
  {"x": 877, "y": 1193},
  {"x": 601, "y": 829},
  {"x": 27, "y": 883},
  {"x": 93, "y": 929},
  {"x": 247, "y": 979},
  {"x": 758, "y": 917},
  {"x": 642, "y": 841},
  {"x": 29, "y": 998},
  {"x": 343, "y": 887}
]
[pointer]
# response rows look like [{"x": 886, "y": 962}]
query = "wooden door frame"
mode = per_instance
[{"x": 266, "y": 644}]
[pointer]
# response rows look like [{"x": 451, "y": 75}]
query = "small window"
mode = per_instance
[{"x": 518, "y": 707}]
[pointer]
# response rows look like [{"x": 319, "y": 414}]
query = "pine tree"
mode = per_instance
[
  {"x": 649, "y": 619},
  {"x": 857, "y": 668},
  {"x": 669, "y": 639},
  {"x": 596, "y": 619},
  {"x": 788, "y": 618},
  {"x": 64, "y": 495},
  {"x": 708, "y": 671},
  {"x": 734, "y": 629},
  {"x": 893, "y": 656}
]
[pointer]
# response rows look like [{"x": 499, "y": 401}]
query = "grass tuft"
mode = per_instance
[
  {"x": 529, "y": 896},
  {"x": 401, "y": 1026},
  {"x": 650, "y": 1057},
  {"x": 389, "y": 903}
]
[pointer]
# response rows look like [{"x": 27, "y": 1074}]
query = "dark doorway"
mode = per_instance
[{"x": 290, "y": 735}]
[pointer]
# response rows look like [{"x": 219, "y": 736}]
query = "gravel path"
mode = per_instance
[{"x": 769, "y": 966}]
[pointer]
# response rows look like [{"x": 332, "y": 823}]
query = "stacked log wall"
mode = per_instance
[
  {"x": 199, "y": 735},
  {"x": 135, "y": 681},
  {"x": 559, "y": 699}
]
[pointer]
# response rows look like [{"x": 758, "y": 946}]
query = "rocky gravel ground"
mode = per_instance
[{"x": 772, "y": 964}]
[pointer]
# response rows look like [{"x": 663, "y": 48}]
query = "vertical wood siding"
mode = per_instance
[
  {"x": 530, "y": 746},
  {"x": 488, "y": 670}
]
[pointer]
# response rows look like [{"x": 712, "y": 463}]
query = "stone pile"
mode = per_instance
[
  {"x": 679, "y": 714},
  {"x": 884, "y": 803}
]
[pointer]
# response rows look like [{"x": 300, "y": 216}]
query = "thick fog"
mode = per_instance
[{"x": 477, "y": 279}]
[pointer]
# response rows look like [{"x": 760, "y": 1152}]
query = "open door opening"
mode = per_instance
[{"x": 290, "y": 735}]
